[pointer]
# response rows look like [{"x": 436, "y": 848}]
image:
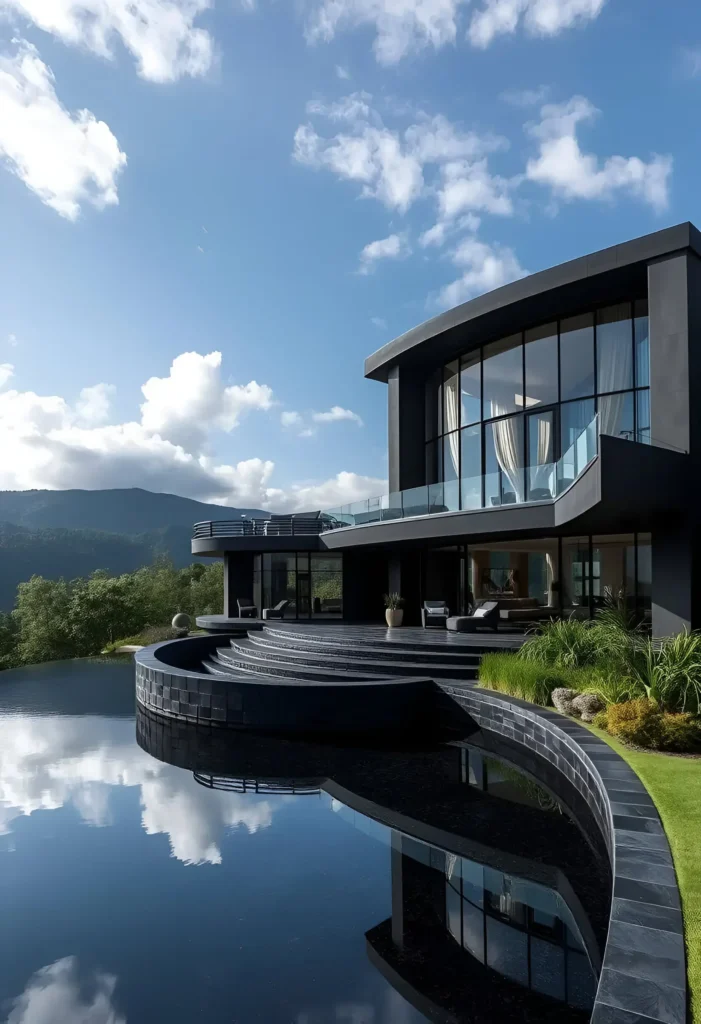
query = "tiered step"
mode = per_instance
[{"x": 240, "y": 661}]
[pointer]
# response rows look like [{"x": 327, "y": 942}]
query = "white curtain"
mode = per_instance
[
  {"x": 541, "y": 474},
  {"x": 508, "y": 447},
  {"x": 452, "y": 422},
  {"x": 614, "y": 371}
]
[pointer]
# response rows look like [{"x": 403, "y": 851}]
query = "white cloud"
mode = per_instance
[
  {"x": 691, "y": 57},
  {"x": 390, "y": 164},
  {"x": 379, "y": 321},
  {"x": 48, "y": 443},
  {"x": 93, "y": 405},
  {"x": 572, "y": 174},
  {"x": 393, "y": 247},
  {"x": 337, "y": 414},
  {"x": 539, "y": 17},
  {"x": 6, "y": 371},
  {"x": 468, "y": 186},
  {"x": 401, "y": 26},
  {"x": 342, "y": 489},
  {"x": 342, "y": 73},
  {"x": 12, "y": 340},
  {"x": 160, "y": 34},
  {"x": 526, "y": 97},
  {"x": 443, "y": 229},
  {"x": 62, "y": 993},
  {"x": 291, "y": 419},
  {"x": 65, "y": 159},
  {"x": 484, "y": 267}
]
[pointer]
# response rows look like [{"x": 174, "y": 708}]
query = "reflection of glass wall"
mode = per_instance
[
  {"x": 518, "y": 574},
  {"x": 520, "y": 929},
  {"x": 313, "y": 584},
  {"x": 603, "y": 360}
]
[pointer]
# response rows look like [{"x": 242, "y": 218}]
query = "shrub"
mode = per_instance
[
  {"x": 613, "y": 686},
  {"x": 680, "y": 733},
  {"x": 601, "y": 721},
  {"x": 529, "y": 680},
  {"x": 636, "y": 721},
  {"x": 564, "y": 643}
]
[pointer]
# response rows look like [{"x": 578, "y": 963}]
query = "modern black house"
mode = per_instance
[{"x": 542, "y": 440}]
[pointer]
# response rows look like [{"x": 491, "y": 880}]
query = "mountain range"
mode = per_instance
[{"x": 71, "y": 533}]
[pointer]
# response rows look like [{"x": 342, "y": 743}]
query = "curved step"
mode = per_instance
[
  {"x": 290, "y": 670},
  {"x": 411, "y": 638},
  {"x": 388, "y": 652},
  {"x": 217, "y": 668},
  {"x": 347, "y": 662}
]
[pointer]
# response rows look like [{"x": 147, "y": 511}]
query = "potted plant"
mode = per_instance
[{"x": 394, "y": 613}]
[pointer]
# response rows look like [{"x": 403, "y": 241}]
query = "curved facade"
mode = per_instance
[{"x": 542, "y": 442}]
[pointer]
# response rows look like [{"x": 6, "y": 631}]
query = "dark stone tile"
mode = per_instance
[
  {"x": 641, "y": 840},
  {"x": 634, "y": 810},
  {"x": 667, "y": 971},
  {"x": 641, "y": 797},
  {"x": 638, "y": 995},
  {"x": 647, "y": 892},
  {"x": 632, "y": 824},
  {"x": 604, "y": 1014},
  {"x": 647, "y": 915},
  {"x": 631, "y": 863},
  {"x": 644, "y": 939}
]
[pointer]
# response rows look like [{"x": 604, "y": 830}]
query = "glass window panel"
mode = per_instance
[
  {"x": 614, "y": 348},
  {"x": 433, "y": 463},
  {"x": 507, "y": 951},
  {"x": 302, "y": 562},
  {"x": 613, "y": 570},
  {"x": 502, "y": 371},
  {"x": 547, "y": 968},
  {"x": 577, "y": 357},
  {"x": 473, "y": 930},
  {"x": 471, "y": 467},
  {"x": 642, "y": 345},
  {"x": 451, "y": 397},
  {"x": 492, "y": 473},
  {"x": 327, "y": 563},
  {"x": 452, "y": 911},
  {"x": 327, "y": 594},
  {"x": 541, "y": 456},
  {"x": 282, "y": 561},
  {"x": 473, "y": 882},
  {"x": 642, "y": 433},
  {"x": 616, "y": 415},
  {"x": 541, "y": 366},
  {"x": 575, "y": 577},
  {"x": 451, "y": 471},
  {"x": 581, "y": 983},
  {"x": 574, "y": 418},
  {"x": 470, "y": 388},
  {"x": 434, "y": 415}
]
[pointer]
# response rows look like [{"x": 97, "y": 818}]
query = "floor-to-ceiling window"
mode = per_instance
[
  {"x": 311, "y": 583},
  {"x": 499, "y": 418}
]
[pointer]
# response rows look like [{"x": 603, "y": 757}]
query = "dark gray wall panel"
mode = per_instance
[{"x": 669, "y": 349}]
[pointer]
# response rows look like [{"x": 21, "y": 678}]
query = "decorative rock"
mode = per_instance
[
  {"x": 181, "y": 621},
  {"x": 563, "y": 700},
  {"x": 588, "y": 705}
]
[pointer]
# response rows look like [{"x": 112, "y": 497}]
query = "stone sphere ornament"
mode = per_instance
[{"x": 181, "y": 621}]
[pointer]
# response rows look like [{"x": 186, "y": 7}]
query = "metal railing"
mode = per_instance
[
  {"x": 232, "y": 785},
  {"x": 263, "y": 528},
  {"x": 504, "y": 487}
]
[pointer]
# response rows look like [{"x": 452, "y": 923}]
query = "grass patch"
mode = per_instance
[
  {"x": 674, "y": 783},
  {"x": 529, "y": 680}
]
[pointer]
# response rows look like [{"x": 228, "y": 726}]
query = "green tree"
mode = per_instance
[
  {"x": 102, "y": 608},
  {"x": 9, "y": 636},
  {"x": 42, "y": 614}
]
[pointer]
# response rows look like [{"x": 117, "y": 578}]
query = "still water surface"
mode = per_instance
[{"x": 135, "y": 890}]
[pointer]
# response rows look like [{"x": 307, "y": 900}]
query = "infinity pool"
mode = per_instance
[{"x": 149, "y": 873}]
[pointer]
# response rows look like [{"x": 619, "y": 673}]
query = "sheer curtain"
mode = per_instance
[
  {"x": 452, "y": 422},
  {"x": 508, "y": 447},
  {"x": 614, "y": 371},
  {"x": 541, "y": 474}
]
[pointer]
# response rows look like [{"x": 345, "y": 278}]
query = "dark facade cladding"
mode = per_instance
[{"x": 543, "y": 443}]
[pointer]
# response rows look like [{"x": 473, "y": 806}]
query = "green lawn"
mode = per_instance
[{"x": 674, "y": 783}]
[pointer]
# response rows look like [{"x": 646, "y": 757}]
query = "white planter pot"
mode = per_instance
[{"x": 394, "y": 616}]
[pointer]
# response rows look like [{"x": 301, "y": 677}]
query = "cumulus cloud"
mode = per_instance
[
  {"x": 290, "y": 418},
  {"x": 342, "y": 489},
  {"x": 484, "y": 267},
  {"x": 392, "y": 247},
  {"x": 526, "y": 97},
  {"x": 47, "y": 763},
  {"x": 391, "y": 164},
  {"x": 379, "y": 321},
  {"x": 6, "y": 371},
  {"x": 401, "y": 26},
  {"x": 65, "y": 159},
  {"x": 62, "y": 993},
  {"x": 539, "y": 17},
  {"x": 161, "y": 35},
  {"x": 48, "y": 443},
  {"x": 335, "y": 415},
  {"x": 573, "y": 174}
]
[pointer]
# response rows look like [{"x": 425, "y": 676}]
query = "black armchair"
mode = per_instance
[
  {"x": 434, "y": 614},
  {"x": 278, "y": 612},
  {"x": 486, "y": 616},
  {"x": 247, "y": 609}
]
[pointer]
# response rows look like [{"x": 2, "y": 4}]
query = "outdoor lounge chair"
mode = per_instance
[
  {"x": 434, "y": 614},
  {"x": 486, "y": 616},
  {"x": 247, "y": 609},
  {"x": 278, "y": 612}
]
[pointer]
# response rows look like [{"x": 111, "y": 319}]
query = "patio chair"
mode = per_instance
[
  {"x": 486, "y": 616},
  {"x": 278, "y": 612},
  {"x": 434, "y": 614},
  {"x": 247, "y": 609}
]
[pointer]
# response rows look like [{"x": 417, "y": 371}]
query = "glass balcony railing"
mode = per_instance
[{"x": 507, "y": 486}]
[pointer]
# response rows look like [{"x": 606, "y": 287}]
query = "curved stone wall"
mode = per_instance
[{"x": 643, "y": 976}]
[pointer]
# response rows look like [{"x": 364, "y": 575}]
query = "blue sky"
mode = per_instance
[{"x": 258, "y": 180}]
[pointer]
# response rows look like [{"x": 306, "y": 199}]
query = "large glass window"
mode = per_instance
[
  {"x": 311, "y": 584},
  {"x": 576, "y": 357},
  {"x": 502, "y": 371},
  {"x": 541, "y": 366},
  {"x": 471, "y": 389},
  {"x": 575, "y": 583},
  {"x": 534, "y": 394},
  {"x": 614, "y": 349}
]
